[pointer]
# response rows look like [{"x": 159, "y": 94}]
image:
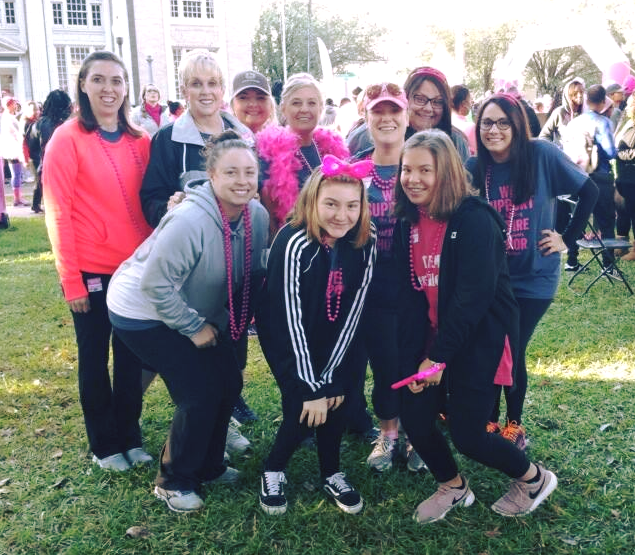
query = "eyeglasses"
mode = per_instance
[
  {"x": 423, "y": 101},
  {"x": 374, "y": 91},
  {"x": 502, "y": 124}
]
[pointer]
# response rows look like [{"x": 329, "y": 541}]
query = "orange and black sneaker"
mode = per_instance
[
  {"x": 493, "y": 428},
  {"x": 515, "y": 433}
]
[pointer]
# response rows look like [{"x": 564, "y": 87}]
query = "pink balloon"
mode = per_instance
[{"x": 616, "y": 73}]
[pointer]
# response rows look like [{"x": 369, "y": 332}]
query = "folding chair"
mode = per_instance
[{"x": 599, "y": 247}]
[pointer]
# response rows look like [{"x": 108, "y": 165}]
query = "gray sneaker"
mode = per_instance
[
  {"x": 414, "y": 462},
  {"x": 380, "y": 458},
  {"x": 236, "y": 443},
  {"x": 522, "y": 498},
  {"x": 137, "y": 456},
  {"x": 179, "y": 501},
  {"x": 442, "y": 501},
  {"x": 116, "y": 462},
  {"x": 230, "y": 476}
]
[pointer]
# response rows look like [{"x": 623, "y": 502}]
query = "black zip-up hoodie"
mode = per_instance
[
  {"x": 477, "y": 308},
  {"x": 303, "y": 348}
]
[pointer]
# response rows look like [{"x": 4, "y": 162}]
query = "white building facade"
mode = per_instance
[{"x": 43, "y": 42}]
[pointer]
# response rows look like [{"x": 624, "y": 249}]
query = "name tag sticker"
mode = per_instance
[{"x": 94, "y": 285}]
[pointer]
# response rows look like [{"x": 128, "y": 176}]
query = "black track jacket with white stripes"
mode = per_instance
[{"x": 303, "y": 348}]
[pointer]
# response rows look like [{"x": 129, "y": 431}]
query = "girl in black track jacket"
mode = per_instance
[{"x": 318, "y": 272}]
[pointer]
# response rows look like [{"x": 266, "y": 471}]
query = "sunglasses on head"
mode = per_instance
[{"x": 375, "y": 91}]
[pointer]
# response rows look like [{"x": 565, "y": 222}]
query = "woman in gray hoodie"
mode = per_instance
[{"x": 182, "y": 302}]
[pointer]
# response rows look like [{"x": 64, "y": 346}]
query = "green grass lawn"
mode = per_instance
[{"x": 580, "y": 419}]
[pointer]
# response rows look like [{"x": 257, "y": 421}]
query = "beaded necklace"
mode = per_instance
[
  {"x": 436, "y": 250},
  {"x": 488, "y": 182},
  {"x": 140, "y": 167},
  {"x": 334, "y": 288},
  {"x": 305, "y": 162},
  {"x": 236, "y": 330}
]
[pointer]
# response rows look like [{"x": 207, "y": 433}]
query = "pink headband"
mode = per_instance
[
  {"x": 332, "y": 167},
  {"x": 429, "y": 71}
]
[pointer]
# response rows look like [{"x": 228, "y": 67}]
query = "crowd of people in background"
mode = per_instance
[{"x": 407, "y": 228}]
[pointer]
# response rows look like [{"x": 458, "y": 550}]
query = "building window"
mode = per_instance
[
  {"x": 192, "y": 8},
  {"x": 9, "y": 13},
  {"x": 95, "y": 10},
  {"x": 76, "y": 12},
  {"x": 58, "y": 18},
  {"x": 177, "y": 54},
  {"x": 62, "y": 74},
  {"x": 69, "y": 61}
]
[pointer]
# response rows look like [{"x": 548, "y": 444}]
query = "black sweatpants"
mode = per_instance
[
  {"x": 204, "y": 385},
  {"x": 111, "y": 411},
  {"x": 468, "y": 412}
]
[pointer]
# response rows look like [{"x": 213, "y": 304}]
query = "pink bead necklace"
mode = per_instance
[
  {"x": 140, "y": 168},
  {"x": 436, "y": 249},
  {"x": 384, "y": 184},
  {"x": 236, "y": 330},
  {"x": 512, "y": 213},
  {"x": 334, "y": 289}
]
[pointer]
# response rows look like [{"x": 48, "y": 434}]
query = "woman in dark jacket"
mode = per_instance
[
  {"x": 57, "y": 109},
  {"x": 457, "y": 311}
]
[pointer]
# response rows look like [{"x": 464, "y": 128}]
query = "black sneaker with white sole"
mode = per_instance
[
  {"x": 346, "y": 497},
  {"x": 272, "y": 499}
]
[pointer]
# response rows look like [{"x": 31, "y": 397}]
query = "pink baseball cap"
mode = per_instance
[{"x": 384, "y": 92}]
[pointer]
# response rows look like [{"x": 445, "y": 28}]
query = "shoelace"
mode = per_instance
[
  {"x": 338, "y": 481},
  {"x": 273, "y": 481},
  {"x": 384, "y": 443},
  {"x": 511, "y": 431}
]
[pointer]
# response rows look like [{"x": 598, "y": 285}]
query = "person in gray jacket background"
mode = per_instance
[{"x": 182, "y": 303}]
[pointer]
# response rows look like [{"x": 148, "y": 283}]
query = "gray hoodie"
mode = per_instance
[
  {"x": 552, "y": 130},
  {"x": 178, "y": 276}
]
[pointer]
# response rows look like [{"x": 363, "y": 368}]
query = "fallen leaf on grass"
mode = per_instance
[
  {"x": 40, "y": 432},
  {"x": 605, "y": 426},
  {"x": 58, "y": 454},
  {"x": 617, "y": 387},
  {"x": 4, "y": 490},
  {"x": 569, "y": 541},
  {"x": 4, "y": 482},
  {"x": 308, "y": 486},
  {"x": 563, "y": 407},
  {"x": 7, "y": 432},
  {"x": 60, "y": 483},
  {"x": 615, "y": 513},
  {"x": 138, "y": 532},
  {"x": 493, "y": 533}
]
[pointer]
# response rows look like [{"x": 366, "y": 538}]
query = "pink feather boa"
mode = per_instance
[{"x": 278, "y": 147}]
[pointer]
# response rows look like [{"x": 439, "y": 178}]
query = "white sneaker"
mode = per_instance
[
  {"x": 179, "y": 501},
  {"x": 380, "y": 458},
  {"x": 138, "y": 456},
  {"x": 236, "y": 443},
  {"x": 116, "y": 462}
]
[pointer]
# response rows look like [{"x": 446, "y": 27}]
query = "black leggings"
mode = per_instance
[
  {"x": 531, "y": 312},
  {"x": 468, "y": 411}
]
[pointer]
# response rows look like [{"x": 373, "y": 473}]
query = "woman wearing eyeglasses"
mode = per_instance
[
  {"x": 429, "y": 107},
  {"x": 522, "y": 178},
  {"x": 150, "y": 115}
]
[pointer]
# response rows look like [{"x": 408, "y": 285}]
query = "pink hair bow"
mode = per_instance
[{"x": 332, "y": 166}]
